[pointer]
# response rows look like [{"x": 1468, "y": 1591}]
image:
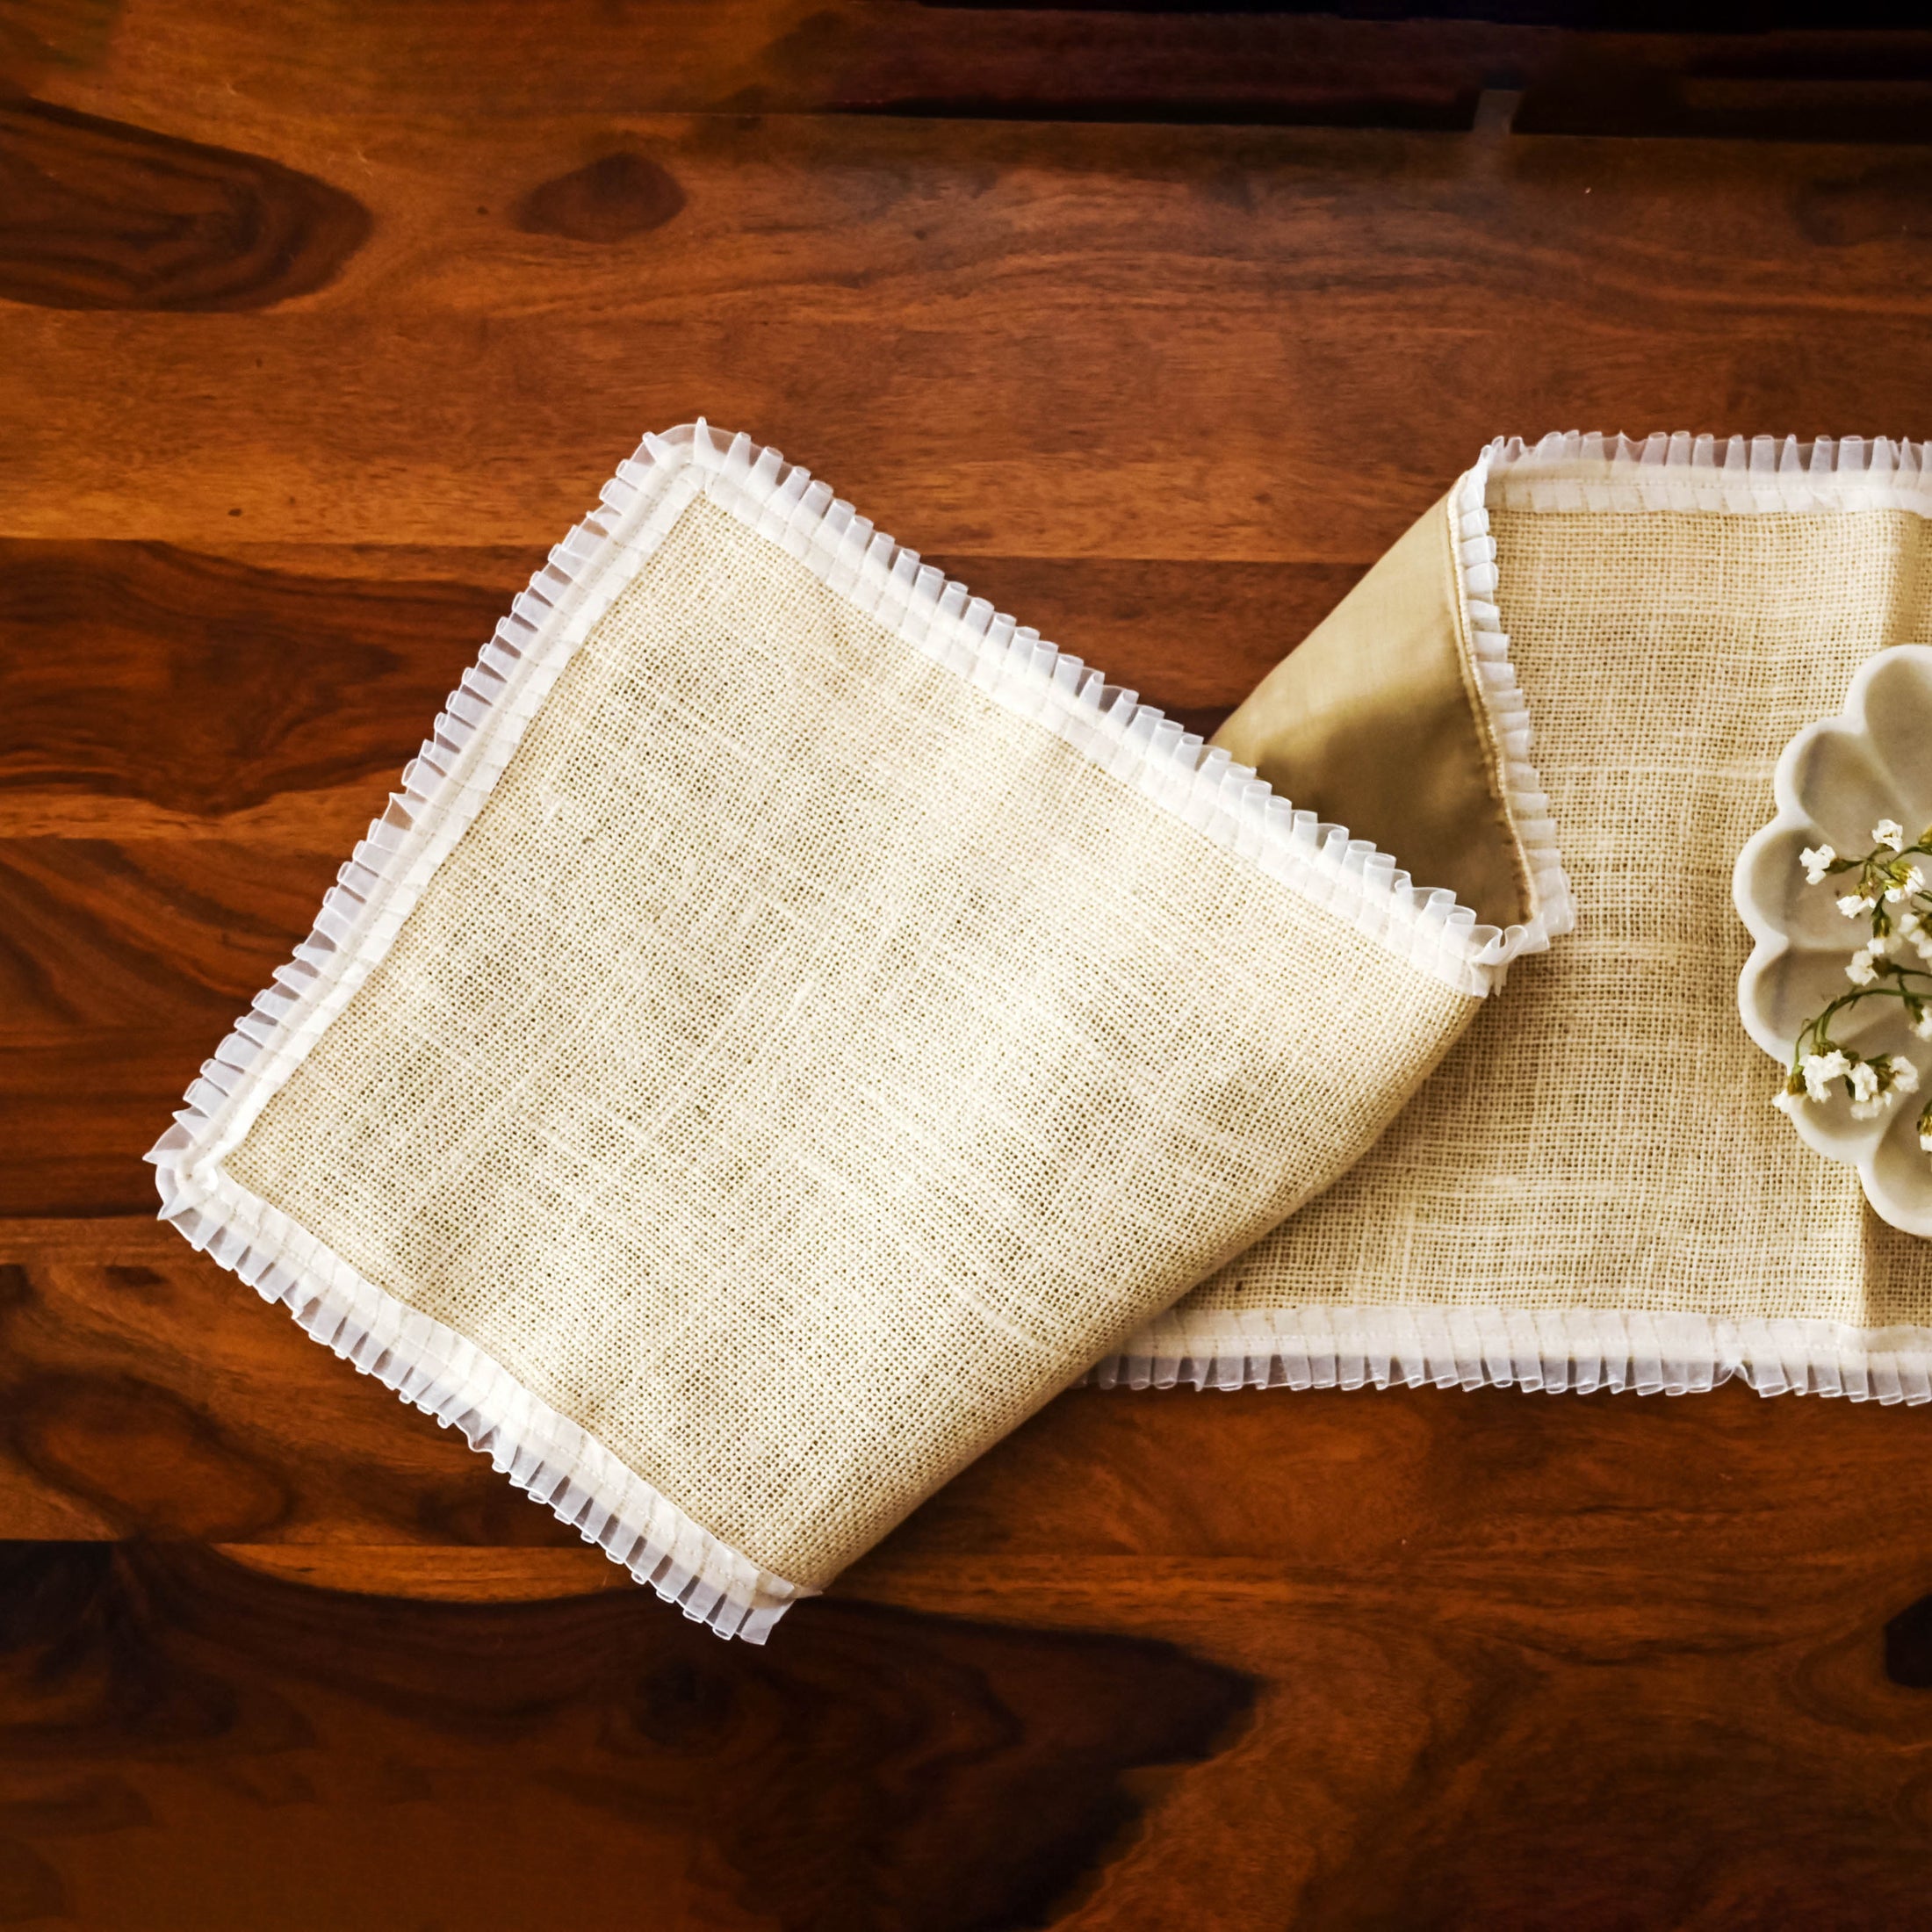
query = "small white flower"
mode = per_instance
[
  {"x": 1878, "y": 945},
  {"x": 1925, "y": 1140},
  {"x": 1888, "y": 833},
  {"x": 1820, "y": 1069},
  {"x": 1862, "y": 1079},
  {"x": 1816, "y": 861},
  {"x": 1853, "y": 904},
  {"x": 1867, "y": 1110},
  {"x": 1858, "y": 969},
  {"x": 1787, "y": 1102},
  {"x": 1906, "y": 923},
  {"x": 1905, "y": 1076}
]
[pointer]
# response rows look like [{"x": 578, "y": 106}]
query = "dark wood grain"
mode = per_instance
[
  {"x": 1023, "y": 339},
  {"x": 612, "y": 198},
  {"x": 98, "y": 214},
  {"x": 1841, "y": 78},
  {"x": 387, "y": 292},
  {"x": 182, "y": 1740},
  {"x": 216, "y": 685},
  {"x": 149, "y": 1397},
  {"x": 219, "y": 685},
  {"x": 123, "y": 965},
  {"x": 1691, "y": 1690}
]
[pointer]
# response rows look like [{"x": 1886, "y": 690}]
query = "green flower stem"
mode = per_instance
[{"x": 1814, "y": 1029}]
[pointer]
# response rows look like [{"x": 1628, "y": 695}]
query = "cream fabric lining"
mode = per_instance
[
  {"x": 1374, "y": 721},
  {"x": 790, "y": 1024},
  {"x": 1597, "y": 1153}
]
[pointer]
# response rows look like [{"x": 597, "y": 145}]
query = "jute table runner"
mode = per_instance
[{"x": 793, "y": 1021}]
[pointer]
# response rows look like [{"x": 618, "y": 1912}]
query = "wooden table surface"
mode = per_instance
[{"x": 317, "y": 326}]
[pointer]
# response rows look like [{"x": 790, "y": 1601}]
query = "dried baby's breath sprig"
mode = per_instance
[{"x": 1889, "y": 894}]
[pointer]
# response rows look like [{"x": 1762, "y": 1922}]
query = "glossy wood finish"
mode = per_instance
[{"x": 310, "y": 342}]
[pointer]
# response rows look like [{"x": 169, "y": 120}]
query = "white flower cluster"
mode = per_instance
[
  {"x": 1863, "y": 968},
  {"x": 1891, "y": 896},
  {"x": 1874, "y": 1083}
]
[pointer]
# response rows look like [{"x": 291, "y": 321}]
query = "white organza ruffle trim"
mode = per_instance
[
  {"x": 1553, "y": 905},
  {"x": 543, "y": 1453},
  {"x": 1578, "y": 1349},
  {"x": 1731, "y": 475},
  {"x": 443, "y": 788},
  {"x": 1321, "y": 1346}
]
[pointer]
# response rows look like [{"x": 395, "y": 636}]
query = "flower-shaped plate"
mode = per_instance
[{"x": 1836, "y": 780}]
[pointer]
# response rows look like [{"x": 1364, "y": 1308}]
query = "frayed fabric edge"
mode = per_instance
[{"x": 1577, "y": 1350}]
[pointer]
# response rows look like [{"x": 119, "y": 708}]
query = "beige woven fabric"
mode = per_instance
[
  {"x": 1601, "y": 1137},
  {"x": 804, "y": 1067}
]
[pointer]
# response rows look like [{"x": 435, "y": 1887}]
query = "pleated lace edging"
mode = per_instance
[
  {"x": 1578, "y": 1349},
  {"x": 543, "y": 1453}
]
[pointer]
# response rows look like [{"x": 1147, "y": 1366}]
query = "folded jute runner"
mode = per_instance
[
  {"x": 792, "y": 1021},
  {"x": 791, "y": 1024}
]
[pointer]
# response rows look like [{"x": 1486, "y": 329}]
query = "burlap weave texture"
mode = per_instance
[
  {"x": 803, "y": 1068},
  {"x": 1602, "y": 1137}
]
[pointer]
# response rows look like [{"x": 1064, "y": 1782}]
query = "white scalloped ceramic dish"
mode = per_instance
[{"x": 1835, "y": 780}]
